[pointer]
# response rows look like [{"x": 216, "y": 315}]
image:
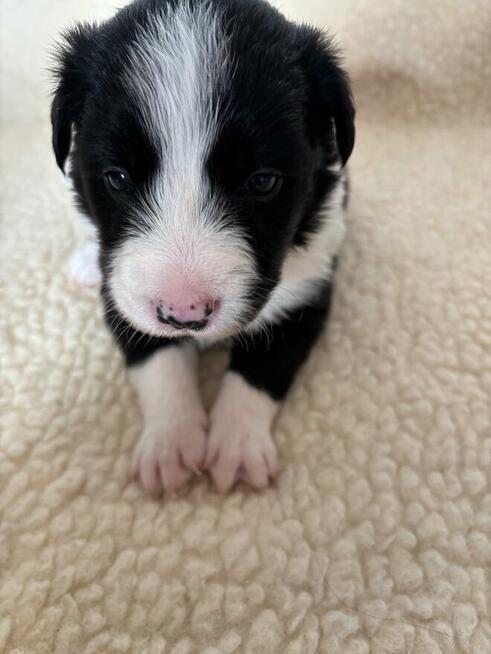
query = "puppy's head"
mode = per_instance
[{"x": 203, "y": 137}]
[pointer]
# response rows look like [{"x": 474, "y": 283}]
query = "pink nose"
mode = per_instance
[{"x": 189, "y": 313}]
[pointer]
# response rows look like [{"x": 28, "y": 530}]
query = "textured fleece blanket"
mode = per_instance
[{"x": 376, "y": 537}]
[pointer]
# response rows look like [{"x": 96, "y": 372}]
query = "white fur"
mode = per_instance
[
  {"x": 305, "y": 268},
  {"x": 176, "y": 70},
  {"x": 172, "y": 446},
  {"x": 240, "y": 445},
  {"x": 83, "y": 266}
]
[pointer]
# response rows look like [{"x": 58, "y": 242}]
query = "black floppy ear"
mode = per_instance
[
  {"x": 61, "y": 123},
  {"x": 72, "y": 73},
  {"x": 330, "y": 97}
]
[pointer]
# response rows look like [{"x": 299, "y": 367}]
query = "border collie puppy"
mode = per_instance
[{"x": 206, "y": 142}]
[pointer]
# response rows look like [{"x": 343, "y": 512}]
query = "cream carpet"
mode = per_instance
[{"x": 376, "y": 537}]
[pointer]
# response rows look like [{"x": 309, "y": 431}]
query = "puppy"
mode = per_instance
[{"x": 206, "y": 142}]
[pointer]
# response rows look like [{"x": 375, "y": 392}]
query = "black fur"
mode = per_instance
[{"x": 269, "y": 360}]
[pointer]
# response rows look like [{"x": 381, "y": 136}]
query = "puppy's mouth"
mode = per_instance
[
  {"x": 188, "y": 326},
  {"x": 216, "y": 325}
]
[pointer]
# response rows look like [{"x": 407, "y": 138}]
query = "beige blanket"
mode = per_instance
[{"x": 376, "y": 537}]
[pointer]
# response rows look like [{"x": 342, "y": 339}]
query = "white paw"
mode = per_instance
[
  {"x": 83, "y": 266},
  {"x": 166, "y": 459},
  {"x": 240, "y": 446}
]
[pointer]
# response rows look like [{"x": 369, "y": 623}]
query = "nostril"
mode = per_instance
[{"x": 208, "y": 310}]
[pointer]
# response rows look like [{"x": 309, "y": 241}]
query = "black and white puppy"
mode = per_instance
[{"x": 206, "y": 142}]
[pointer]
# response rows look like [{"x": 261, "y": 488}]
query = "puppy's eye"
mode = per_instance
[
  {"x": 117, "y": 179},
  {"x": 265, "y": 184}
]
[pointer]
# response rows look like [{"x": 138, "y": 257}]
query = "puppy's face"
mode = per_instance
[{"x": 202, "y": 140}]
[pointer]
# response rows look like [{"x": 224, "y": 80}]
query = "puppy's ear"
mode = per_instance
[
  {"x": 72, "y": 73},
  {"x": 330, "y": 98}
]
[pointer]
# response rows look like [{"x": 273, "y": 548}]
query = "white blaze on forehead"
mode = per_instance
[{"x": 178, "y": 69}]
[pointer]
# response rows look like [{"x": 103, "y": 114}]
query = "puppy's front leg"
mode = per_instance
[
  {"x": 262, "y": 368},
  {"x": 172, "y": 446},
  {"x": 240, "y": 444}
]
